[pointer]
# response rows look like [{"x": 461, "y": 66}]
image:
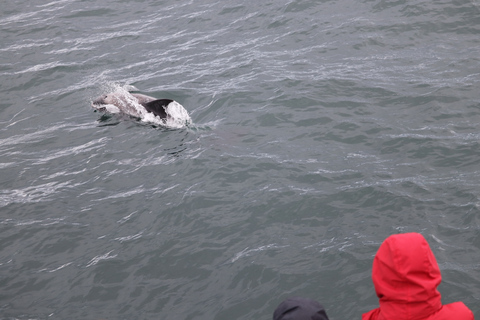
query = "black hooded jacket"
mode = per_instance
[{"x": 297, "y": 308}]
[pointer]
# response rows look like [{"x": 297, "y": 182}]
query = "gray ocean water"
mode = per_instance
[{"x": 319, "y": 129}]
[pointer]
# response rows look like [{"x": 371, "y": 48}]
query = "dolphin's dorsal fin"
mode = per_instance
[{"x": 158, "y": 107}]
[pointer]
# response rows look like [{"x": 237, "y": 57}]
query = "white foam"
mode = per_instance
[{"x": 179, "y": 117}]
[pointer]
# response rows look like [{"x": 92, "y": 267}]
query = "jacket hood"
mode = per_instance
[
  {"x": 406, "y": 275},
  {"x": 297, "y": 308}
]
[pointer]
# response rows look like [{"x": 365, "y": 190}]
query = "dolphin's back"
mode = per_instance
[{"x": 143, "y": 99}]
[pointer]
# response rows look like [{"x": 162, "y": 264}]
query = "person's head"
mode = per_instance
[
  {"x": 406, "y": 271},
  {"x": 297, "y": 308}
]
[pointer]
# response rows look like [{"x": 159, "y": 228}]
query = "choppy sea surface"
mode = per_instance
[{"x": 318, "y": 129}]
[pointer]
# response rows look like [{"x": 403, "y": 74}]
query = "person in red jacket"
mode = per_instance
[{"x": 406, "y": 276}]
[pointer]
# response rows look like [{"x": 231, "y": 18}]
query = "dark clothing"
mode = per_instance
[
  {"x": 405, "y": 274},
  {"x": 300, "y": 309}
]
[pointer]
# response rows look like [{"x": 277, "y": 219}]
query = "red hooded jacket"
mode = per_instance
[{"x": 406, "y": 276}]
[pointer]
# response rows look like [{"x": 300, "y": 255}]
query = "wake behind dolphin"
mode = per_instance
[{"x": 164, "y": 112}]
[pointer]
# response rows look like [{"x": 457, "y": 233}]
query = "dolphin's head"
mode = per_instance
[
  {"x": 104, "y": 99},
  {"x": 107, "y": 102}
]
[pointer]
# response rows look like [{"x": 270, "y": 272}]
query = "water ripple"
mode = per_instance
[{"x": 321, "y": 127}]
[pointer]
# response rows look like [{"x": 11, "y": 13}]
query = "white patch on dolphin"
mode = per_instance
[{"x": 165, "y": 112}]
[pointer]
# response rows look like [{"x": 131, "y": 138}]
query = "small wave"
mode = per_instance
[
  {"x": 129, "y": 238},
  {"x": 247, "y": 251},
  {"x": 126, "y": 218},
  {"x": 99, "y": 258},
  {"x": 54, "y": 3},
  {"x": 33, "y": 137},
  {"x": 125, "y": 194},
  {"x": 33, "y": 194},
  {"x": 29, "y": 45},
  {"x": 69, "y": 151},
  {"x": 55, "y": 269},
  {"x": 330, "y": 244}
]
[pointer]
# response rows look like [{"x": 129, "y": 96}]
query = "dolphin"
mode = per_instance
[{"x": 164, "y": 111}]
